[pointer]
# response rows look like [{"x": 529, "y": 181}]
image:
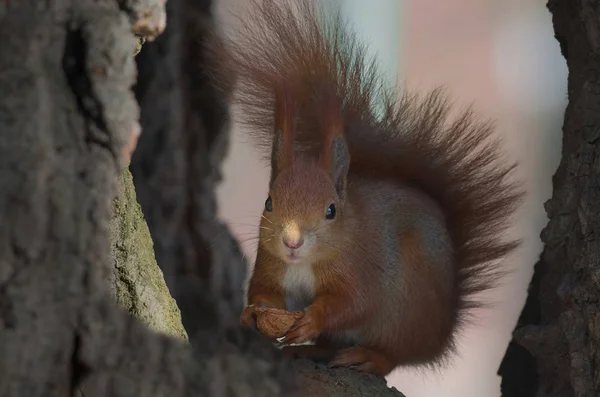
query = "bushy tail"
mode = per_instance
[{"x": 455, "y": 160}]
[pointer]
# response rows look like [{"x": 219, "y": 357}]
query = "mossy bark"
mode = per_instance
[{"x": 137, "y": 283}]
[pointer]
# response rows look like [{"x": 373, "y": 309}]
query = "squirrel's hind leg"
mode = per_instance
[{"x": 364, "y": 360}]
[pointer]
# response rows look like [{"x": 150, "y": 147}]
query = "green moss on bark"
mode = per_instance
[{"x": 137, "y": 282}]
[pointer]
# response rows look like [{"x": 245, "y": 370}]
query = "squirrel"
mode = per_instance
[{"x": 385, "y": 216}]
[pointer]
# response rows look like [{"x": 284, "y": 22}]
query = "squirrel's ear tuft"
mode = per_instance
[
  {"x": 335, "y": 156},
  {"x": 282, "y": 154}
]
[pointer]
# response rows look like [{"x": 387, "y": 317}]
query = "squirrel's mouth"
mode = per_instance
[{"x": 292, "y": 257}]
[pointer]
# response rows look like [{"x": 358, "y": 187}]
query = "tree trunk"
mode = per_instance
[{"x": 556, "y": 346}]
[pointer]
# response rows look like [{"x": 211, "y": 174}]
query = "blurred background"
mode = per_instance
[{"x": 500, "y": 56}]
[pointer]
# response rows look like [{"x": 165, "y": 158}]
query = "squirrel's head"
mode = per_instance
[{"x": 304, "y": 211}]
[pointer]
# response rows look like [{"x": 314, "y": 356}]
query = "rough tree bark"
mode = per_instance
[
  {"x": 555, "y": 350},
  {"x": 66, "y": 116},
  {"x": 136, "y": 282}
]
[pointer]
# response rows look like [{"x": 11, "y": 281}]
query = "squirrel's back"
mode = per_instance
[
  {"x": 398, "y": 139},
  {"x": 405, "y": 235}
]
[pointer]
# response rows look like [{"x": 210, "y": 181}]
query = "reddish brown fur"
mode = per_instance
[
  {"x": 425, "y": 284},
  {"x": 455, "y": 162},
  {"x": 365, "y": 360},
  {"x": 331, "y": 127},
  {"x": 285, "y": 119}
]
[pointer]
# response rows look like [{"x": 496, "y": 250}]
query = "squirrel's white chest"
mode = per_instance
[{"x": 299, "y": 284}]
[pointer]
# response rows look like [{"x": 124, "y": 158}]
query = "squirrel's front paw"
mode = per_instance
[
  {"x": 305, "y": 329},
  {"x": 248, "y": 317}
]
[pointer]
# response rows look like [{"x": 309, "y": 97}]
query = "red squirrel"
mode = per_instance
[{"x": 385, "y": 216}]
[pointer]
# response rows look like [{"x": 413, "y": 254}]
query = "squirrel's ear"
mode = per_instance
[
  {"x": 282, "y": 152},
  {"x": 339, "y": 165},
  {"x": 335, "y": 156}
]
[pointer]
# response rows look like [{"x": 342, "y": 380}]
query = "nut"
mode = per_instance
[{"x": 275, "y": 323}]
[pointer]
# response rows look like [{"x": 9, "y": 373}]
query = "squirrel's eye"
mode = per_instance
[
  {"x": 269, "y": 204},
  {"x": 330, "y": 214}
]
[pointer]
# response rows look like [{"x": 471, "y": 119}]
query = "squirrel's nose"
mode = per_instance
[{"x": 293, "y": 243}]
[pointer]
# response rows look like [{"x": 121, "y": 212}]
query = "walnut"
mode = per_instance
[{"x": 275, "y": 323}]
